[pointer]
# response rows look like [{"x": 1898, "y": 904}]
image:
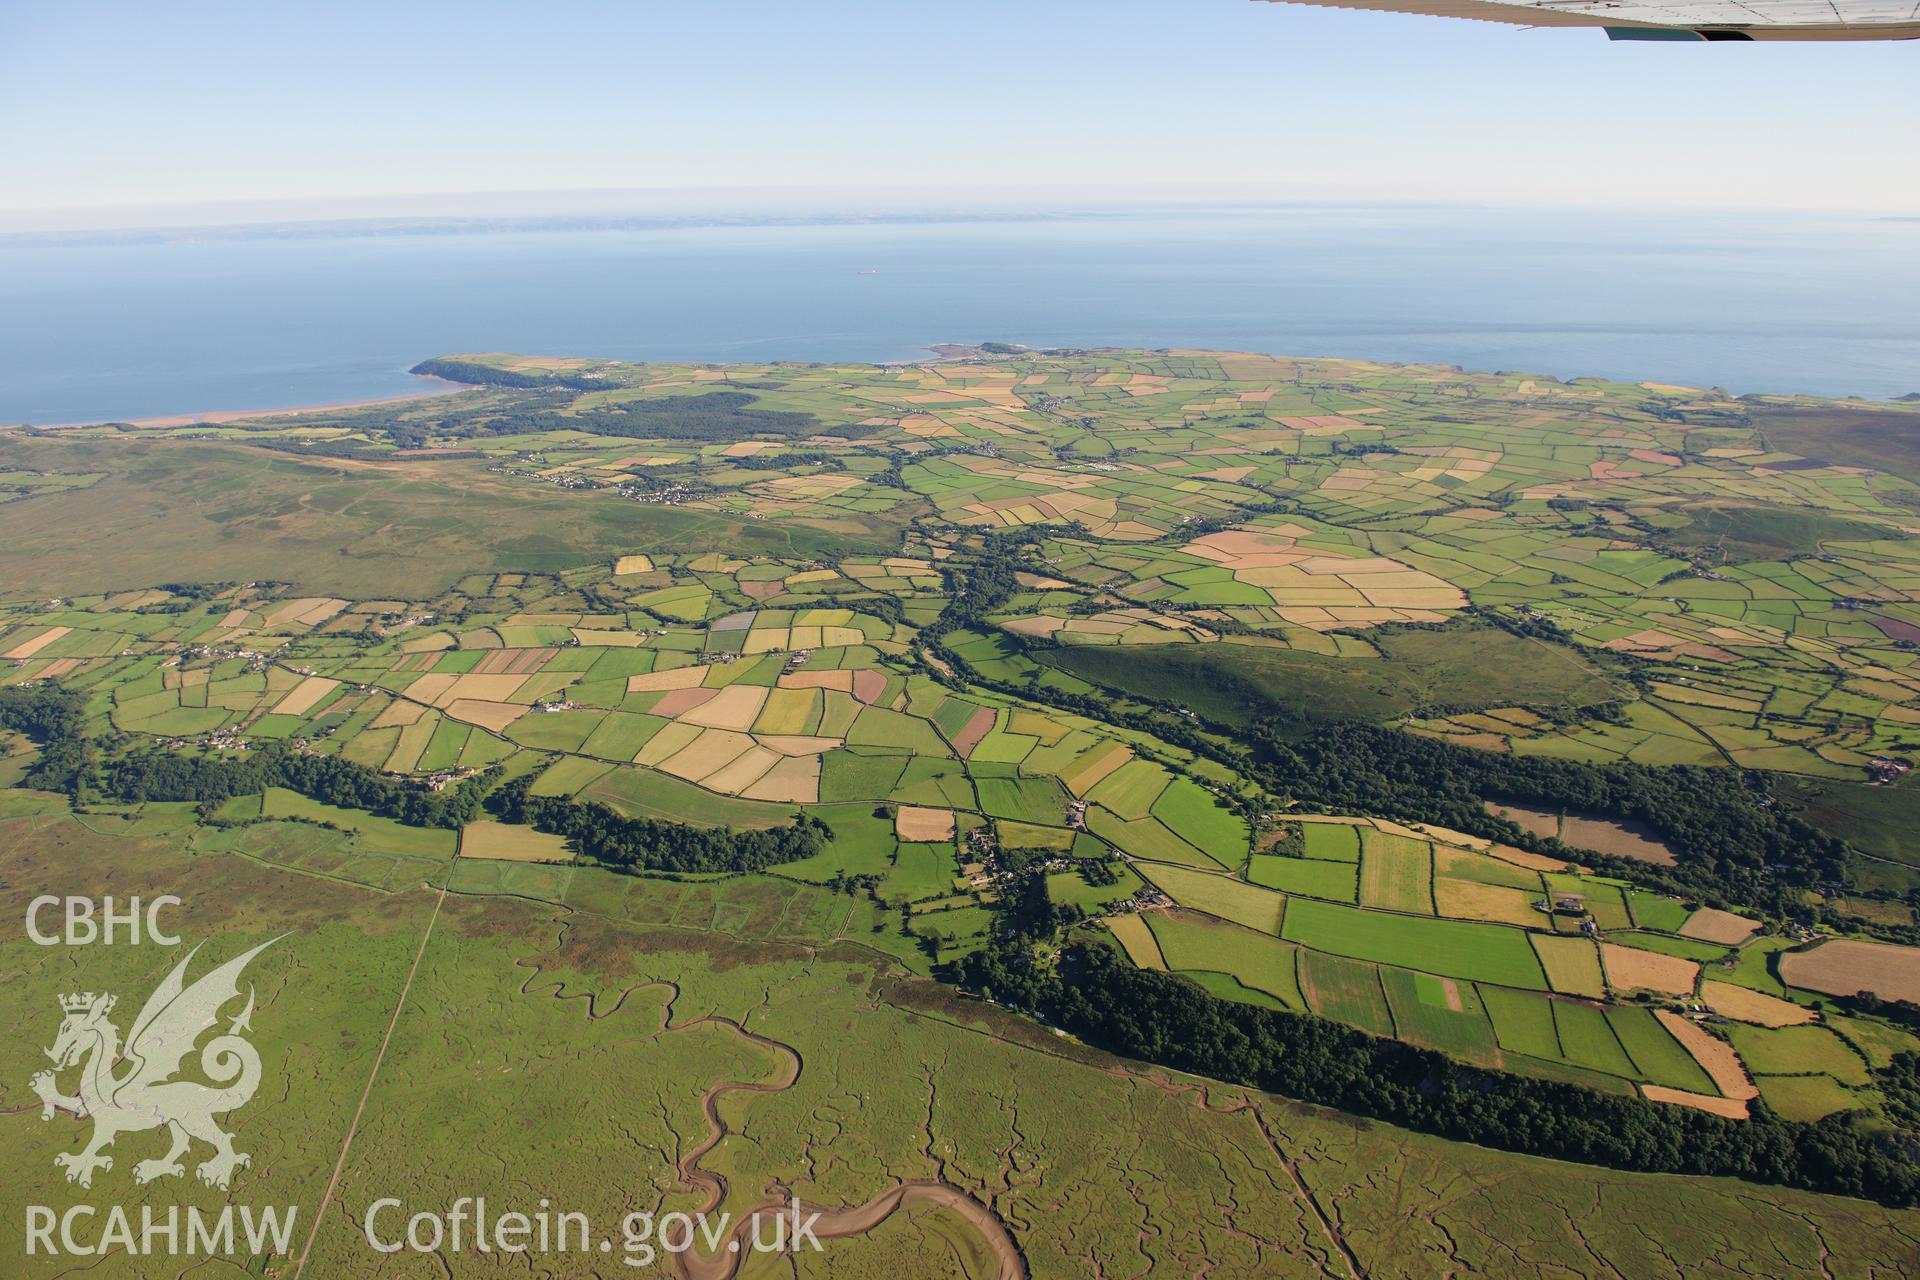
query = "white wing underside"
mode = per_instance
[
  {"x": 176, "y": 1015},
  {"x": 1680, "y": 20}
]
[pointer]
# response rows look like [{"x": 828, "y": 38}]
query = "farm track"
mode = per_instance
[
  {"x": 840, "y": 1223},
  {"x": 353, "y": 1126}
]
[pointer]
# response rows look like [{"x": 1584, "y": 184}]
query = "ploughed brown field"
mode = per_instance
[{"x": 1845, "y": 966}]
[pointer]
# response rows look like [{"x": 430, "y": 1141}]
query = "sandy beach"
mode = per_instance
[{"x": 438, "y": 387}]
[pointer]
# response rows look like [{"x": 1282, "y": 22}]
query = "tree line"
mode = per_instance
[
  {"x": 53, "y": 716},
  {"x": 646, "y": 844},
  {"x": 1170, "y": 1020},
  {"x": 598, "y": 831},
  {"x": 1734, "y": 845},
  {"x": 711, "y": 415},
  {"x": 213, "y": 780}
]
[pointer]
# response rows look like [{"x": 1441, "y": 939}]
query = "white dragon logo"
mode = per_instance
[{"x": 145, "y": 1094}]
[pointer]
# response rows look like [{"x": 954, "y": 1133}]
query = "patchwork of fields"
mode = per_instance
[
  {"x": 741, "y": 717},
  {"x": 1587, "y": 571},
  {"x": 1765, "y": 594},
  {"x": 1428, "y": 936},
  {"x": 1514, "y": 960}
]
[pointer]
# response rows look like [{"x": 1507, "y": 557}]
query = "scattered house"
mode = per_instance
[
  {"x": 1887, "y": 769},
  {"x": 1564, "y": 904}
]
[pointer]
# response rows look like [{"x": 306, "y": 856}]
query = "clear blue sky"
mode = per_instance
[{"x": 134, "y": 103}]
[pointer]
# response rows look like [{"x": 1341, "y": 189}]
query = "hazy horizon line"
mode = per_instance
[{"x": 697, "y": 204}]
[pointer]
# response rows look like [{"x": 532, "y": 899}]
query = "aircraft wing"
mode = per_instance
[{"x": 1679, "y": 19}]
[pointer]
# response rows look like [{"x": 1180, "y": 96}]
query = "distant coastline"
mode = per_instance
[
  {"x": 134, "y": 331},
  {"x": 440, "y": 387},
  {"x": 553, "y": 224}
]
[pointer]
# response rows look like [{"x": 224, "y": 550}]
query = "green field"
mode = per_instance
[
  {"x": 1656, "y": 1055},
  {"x": 1307, "y": 876},
  {"x": 1652, "y": 911},
  {"x": 1147, "y": 838},
  {"x": 646, "y": 794},
  {"x": 1396, "y": 874},
  {"x": 1227, "y": 987},
  {"x": 1345, "y": 991},
  {"x": 1074, "y": 889},
  {"x": 1588, "y": 1039},
  {"x": 1807, "y": 1098},
  {"x": 382, "y": 833},
  {"x": 1194, "y": 943},
  {"x": 1440, "y": 1014},
  {"x": 1330, "y": 840},
  {"x": 1222, "y": 896},
  {"x": 1196, "y": 817},
  {"x": 1448, "y": 948},
  {"x": 1572, "y": 965},
  {"x": 1523, "y": 1022},
  {"x": 1795, "y": 1051}
]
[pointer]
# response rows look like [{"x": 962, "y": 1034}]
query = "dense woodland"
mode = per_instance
[
  {"x": 53, "y": 717},
  {"x": 473, "y": 373},
  {"x": 43, "y": 712},
  {"x": 713, "y": 416}
]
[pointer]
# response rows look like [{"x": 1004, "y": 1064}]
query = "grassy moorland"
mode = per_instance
[{"x": 206, "y": 511}]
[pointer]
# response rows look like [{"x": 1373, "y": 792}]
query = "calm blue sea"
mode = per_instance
[{"x": 1829, "y": 305}]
